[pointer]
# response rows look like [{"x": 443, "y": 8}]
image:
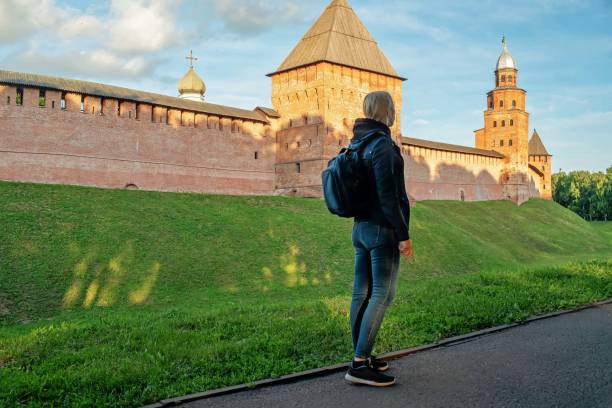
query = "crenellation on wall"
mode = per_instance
[
  {"x": 160, "y": 114},
  {"x": 52, "y": 99},
  {"x": 107, "y": 151},
  {"x": 127, "y": 110},
  {"x": 92, "y": 105},
  {"x": 144, "y": 112},
  {"x": 73, "y": 102}
]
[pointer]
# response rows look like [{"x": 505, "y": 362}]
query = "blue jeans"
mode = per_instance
[{"x": 376, "y": 269}]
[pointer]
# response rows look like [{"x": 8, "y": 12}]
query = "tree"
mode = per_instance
[{"x": 587, "y": 194}]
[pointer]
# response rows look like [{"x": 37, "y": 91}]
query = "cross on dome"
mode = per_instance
[
  {"x": 191, "y": 58},
  {"x": 191, "y": 86}
]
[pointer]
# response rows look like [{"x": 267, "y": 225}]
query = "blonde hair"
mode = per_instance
[{"x": 380, "y": 107}]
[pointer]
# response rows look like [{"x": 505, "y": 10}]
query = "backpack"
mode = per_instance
[{"x": 347, "y": 181}]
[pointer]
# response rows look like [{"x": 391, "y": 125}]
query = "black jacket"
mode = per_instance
[{"x": 389, "y": 205}]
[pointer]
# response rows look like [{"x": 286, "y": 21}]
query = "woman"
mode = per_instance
[{"x": 380, "y": 236}]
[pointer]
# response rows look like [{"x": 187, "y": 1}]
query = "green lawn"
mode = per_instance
[{"x": 121, "y": 298}]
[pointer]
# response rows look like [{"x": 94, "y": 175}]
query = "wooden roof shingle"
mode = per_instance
[
  {"x": 536, "y": 147},
  {"x": 338, "y": 36},
  {"x": 410, "y": 141}
]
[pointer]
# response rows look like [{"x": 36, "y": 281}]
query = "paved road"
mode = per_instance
[{"x": 565, "y": 361}]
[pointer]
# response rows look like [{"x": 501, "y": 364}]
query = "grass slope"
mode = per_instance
[{"x": 120, "y": 298}]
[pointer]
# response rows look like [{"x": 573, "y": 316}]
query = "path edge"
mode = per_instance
[{"x": 394, "y": 355}]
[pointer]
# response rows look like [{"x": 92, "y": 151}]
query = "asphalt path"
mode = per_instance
[{"x": 564, "y": 361}]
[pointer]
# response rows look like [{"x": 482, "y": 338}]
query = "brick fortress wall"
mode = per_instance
[
  {"x": 131, "y": 145},
  {"x": 433, "y": 174}
]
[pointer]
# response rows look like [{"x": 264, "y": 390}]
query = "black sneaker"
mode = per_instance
[
  {"x": 366, "y": 374},
  {"x": 379, "y": 365}
]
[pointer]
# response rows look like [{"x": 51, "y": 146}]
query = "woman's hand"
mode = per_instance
[{"x": 405, "y": 248}]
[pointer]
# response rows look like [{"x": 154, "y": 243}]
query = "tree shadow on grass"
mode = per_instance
[{"x": 103, "y": 283}]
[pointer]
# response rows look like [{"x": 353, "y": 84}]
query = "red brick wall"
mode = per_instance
[
  {"x": 53, "y": 146},
  {"x": 442, "y": 175}
]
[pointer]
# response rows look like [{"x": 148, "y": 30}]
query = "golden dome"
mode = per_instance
[{"x": 191, "y": 83}]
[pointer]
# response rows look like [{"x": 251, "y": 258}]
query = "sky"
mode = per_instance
[{"x": 446, "y": 48}]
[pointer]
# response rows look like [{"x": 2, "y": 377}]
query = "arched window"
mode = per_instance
[
  {"x": 494, "y": 123},
  {"x": 501, "y": 104},
  {"x": 514, "y": 104},
  {"x": 510, "y": 142},
  {"x": 511, "y": 122},
  {"x": 510, "y": 78},
  {"x": 491, "y": 104},
  {"x": 503, "y": 78},
  {"x": 501, "y": 143},
  {"x": 503, "y": 123}
]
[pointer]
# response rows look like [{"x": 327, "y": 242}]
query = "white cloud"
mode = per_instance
[
  {"x": 98, "y": 63},
  {"x": 122, "y": 41},
  {"x": 21, "y": 18},
  {"x": 80, "y": 26},
  {"x": 142, "y": 25},
  {"x": 251, "y": 16}
]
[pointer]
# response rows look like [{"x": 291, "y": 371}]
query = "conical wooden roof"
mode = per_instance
[
  {"x": 536, "y": 147},
  {"x": 339, "y": 36}
]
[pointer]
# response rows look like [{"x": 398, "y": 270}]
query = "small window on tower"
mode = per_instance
[
  {"x": 491, "y": 105},
  {"x": 256, "y": 155},
  {"x": 511, "y": 122},
  {"x": 510, "y": 78},
  {"x": 494, "y": 123},
  {"x": 501, "y": 143},
  {"x": 514, "y": 104},
  {"x": 501, "y": 104},
  {"x": 503, "y": 78},
  {"x": 503, "y": 123},
  {"x": 510, "y": 142},
  {"x": 298, "y": 168}
]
